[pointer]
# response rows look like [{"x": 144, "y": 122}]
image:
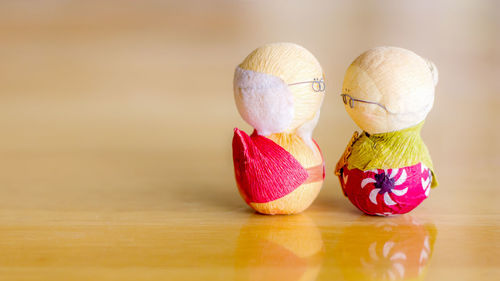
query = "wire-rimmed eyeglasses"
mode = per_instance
[
  {"x": 347, "y": 99},
  {"x": 318, "y": 84}
]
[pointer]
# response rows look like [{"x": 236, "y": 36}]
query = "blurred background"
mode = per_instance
[
  {"x": 153, "y": 80},
  {"x": 113, "y": 108}
]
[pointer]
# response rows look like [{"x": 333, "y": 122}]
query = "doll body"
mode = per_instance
[
  {"x": 397, "y": 190},
  {"x": 387, "y": 170},
  {"x": 279, "y": 168},
  {"x": 277, "y": 173},
  {"x": 389, "y": 192}
]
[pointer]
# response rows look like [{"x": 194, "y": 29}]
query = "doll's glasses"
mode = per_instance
[
  {"x": 318, "y": 85},
  {"x": 347, "y": 99}
]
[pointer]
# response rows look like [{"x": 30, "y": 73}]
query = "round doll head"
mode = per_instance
[
  {"x": 388, "y": 89},
  {"x": 278, "y": 88}
]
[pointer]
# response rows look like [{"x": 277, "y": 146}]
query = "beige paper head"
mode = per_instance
[
  {"x": 397, "y": 86},
  {"x": 271, "y": 92}
]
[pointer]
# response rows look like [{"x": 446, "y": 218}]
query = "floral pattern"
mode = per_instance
[{"x": 387, "y": 192}]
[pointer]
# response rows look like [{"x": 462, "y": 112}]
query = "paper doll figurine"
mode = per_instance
[
  {"x": 279, "y": 168},
  {"x": 387, "y": 169}
]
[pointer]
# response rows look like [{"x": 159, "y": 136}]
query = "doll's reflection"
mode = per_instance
[
  {"x": 395, "y": 248},
  {"x": 279, "y": 248}
]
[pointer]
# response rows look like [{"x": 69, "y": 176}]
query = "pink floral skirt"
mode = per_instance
[{"x": 385, "y": 192}]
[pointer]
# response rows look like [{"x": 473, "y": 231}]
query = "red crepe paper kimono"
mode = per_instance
[
  {"x": 265, "y": 171},
  {"x": 386, "y": 192}
]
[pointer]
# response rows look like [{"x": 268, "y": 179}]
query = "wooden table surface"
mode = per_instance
[{"x": 115, "y": 150}]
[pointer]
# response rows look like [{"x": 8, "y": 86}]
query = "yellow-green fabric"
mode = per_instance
[{"x": 391, "y": 150}]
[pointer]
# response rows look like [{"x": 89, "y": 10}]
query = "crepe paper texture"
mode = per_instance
[
  {"x": 278, "y": 90},
  {"x": 387, "y": 192},
  {"x": 252, "y": 155},
  {"x": 395, "y": 149},
  {"x": 387, "y": 170}
]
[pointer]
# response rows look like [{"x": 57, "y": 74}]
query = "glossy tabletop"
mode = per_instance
[{"x": 117, "y": 120}]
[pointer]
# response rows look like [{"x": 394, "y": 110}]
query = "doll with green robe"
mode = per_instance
[{"x": 387, "y": 169}]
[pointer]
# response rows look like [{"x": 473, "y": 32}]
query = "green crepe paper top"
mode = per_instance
[{"x": 391, "y": 150}]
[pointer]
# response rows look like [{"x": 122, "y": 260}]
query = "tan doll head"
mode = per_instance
[
  {"x": 279, "y": 88},
  {"x": 388, "y": 89}
]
